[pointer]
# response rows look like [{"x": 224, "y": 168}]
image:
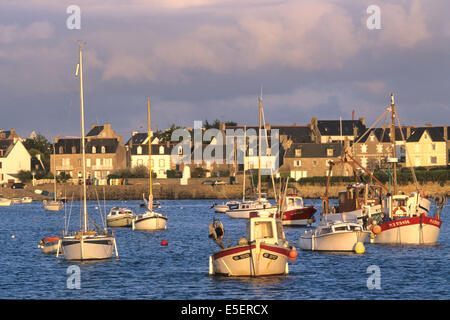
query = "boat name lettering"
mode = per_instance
[
  {"x": 270, "y": 256},
  {"x": 241, "y": 256},
  {"x": 399, "y": 223}
]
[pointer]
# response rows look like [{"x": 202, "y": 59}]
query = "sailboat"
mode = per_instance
[
  {"x": 150, "y": 220},
  {"x": 53, "y": 205},
  {"x": 86, "y": 244},
  {"x": 245, "y": 208},
  {"x": 406, "y": 218}
]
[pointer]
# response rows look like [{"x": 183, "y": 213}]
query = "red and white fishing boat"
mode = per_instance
[
  {"x": 406, "y": 218},
  {"x": 264, "y": 252},
  {"x": 295, "y": 213},
  {"x": 407, "y": 221}
]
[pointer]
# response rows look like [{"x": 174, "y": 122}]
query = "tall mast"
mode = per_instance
[
  {"x": 259, "y": 148},
  {"x": 150, "y": 198},
  {"x": 83, "y": 146},
  {"x": 245, "y": 154},
  {"x": 54, "y": 165},
  {"x": 393, "y": 142}
]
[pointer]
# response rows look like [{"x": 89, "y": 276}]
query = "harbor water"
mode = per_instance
[{"x": 147, "y": 270}]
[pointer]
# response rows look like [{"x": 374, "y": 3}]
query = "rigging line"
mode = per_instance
[
  {"x": 267, "y": 145},
  {"x": 407, "y": 155}
]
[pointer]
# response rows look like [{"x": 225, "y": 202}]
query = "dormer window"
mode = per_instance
[
  {"x": 74, "y": 149},
  {"x": 139, "y": 150},
  {"x": 180, "y": 150},
  {"x": 330, "y": 152},
  {"x": 94, "y": 150},
  {"x": 298, "y": 152},
  {"x": 103, "y": 149},
  {"x": 161, "y": 150},
  {"x": 61, "y": 150}
]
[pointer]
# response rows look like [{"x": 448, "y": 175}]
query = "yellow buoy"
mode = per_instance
[{"x": 359, "y": 248}]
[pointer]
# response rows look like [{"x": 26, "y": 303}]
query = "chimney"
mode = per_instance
[
  {"x": 363, "y": 121},
  {"x": 222, "y": 126},
  {"x": 428, "y": 125},
  {"x": 353, "y": 114}
]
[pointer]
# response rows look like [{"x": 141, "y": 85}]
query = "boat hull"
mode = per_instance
[
  {"x": 221, "y": 208},
  {"x": 245, "y": 214},
  {"x": 298, "y": 217},
  {"x": 53, "y": 205},
  {"x": 5, "y": 202},
  {"x": 413, "y": 231},
  {"x": 338, "y": 241},
  {"x": 119, "y": 222},
  {"x": 250, "y": 261},
  {"x": 87, "y": 248},
  {"x": 149, "y": 222}
]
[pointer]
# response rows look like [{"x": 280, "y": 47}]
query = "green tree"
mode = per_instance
[{"x": 40, "y": 145}]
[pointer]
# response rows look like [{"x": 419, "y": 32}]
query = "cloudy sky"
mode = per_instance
[{"x": 207, "y": 59}]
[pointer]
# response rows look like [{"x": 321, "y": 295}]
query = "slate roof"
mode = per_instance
[
  {"x": 333, "y": 127},
  {"x": 314, "y": 150},
  {"x": 73, "y": 144},
  {"x": 95, "y": 131},
  {"x": 436, "y": 134},
  {"x": 294, "y": 133},
  {"x": 382, "y": 134},
  {"x": 155, "y": 149},
  {"x": 6, "y": 146}
]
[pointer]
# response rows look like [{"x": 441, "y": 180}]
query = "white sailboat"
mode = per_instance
[
  {"x": 150, "y": 220},
  {"x": 244, "y": 209},
  {"x": 86, "y": 244},
  {"x": 53, "y": 205}
]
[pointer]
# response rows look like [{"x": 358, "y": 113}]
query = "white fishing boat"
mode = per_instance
[
  {"x": 5, "y": 202},
  {"x": 150, "y": 220},
  {"x": 49, "y": 245},
  {"x": 86, "y": 244},
  {"x": 119, "y": 217},
  {"x": 224, "y": 207},
  {"x": 16, "y": 200},
  {"x": 53, "y": 205},
  {"x": 264, "y": 252},
  {"x": 334, "y": 236}
]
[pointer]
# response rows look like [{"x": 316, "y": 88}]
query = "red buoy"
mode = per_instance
[
  {"x": 164, "y": 242},
  {"x": 292, "y": 254}
]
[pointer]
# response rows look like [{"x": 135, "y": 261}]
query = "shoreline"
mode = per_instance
[{"x": 192, "y": 191}]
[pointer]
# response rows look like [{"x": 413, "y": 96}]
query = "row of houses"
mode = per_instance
[{"x": 304, "y": 150}]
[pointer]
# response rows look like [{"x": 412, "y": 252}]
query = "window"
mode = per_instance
[
  {"x": 161, "y": 150},
  {"x": 433, "y": 160},
  {"x": 297, "y": 163},
  {"x": 0, "y": 165},
  {"x": 298, "y": 152},
  {"x": 61, "y": 150},
  {"x": 314, "y": 163},
  {"x": 372, "y": 138},
  {"x": 74, "y": 149},
  {"x": 139, "y": 150},
  {"x": 379, "y": 148},
  {"x": 363, "y": 148},
  {"x": 180, "y": 150},
  {"x": 103, "y": 149},
  {"x": 88, "y": 162},
  {"x": 139, "y": 162},
  {"x": 433, "y": 147},
  {"x": 94, "y": 150},
  {"x": 263, "y": 230},
  {"x": 162, "y": 163},
  {"x": 330, "y": 152}
]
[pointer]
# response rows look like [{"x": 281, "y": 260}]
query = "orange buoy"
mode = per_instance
[
  {"x": 376, "y": 229},
  {"x": 164, "y": 242},
  {"x": 292, "y": 254}
]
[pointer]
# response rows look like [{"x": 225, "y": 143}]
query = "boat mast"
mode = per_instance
[
  {"x": 245, "y": 154},
  {"x": 150, "y": 198},
  {"x": 393, "y": 142},
  {"x": 54, "y": 165},
  {"x": 83, "y": 146},
  {"x": 259, "y": 147}
]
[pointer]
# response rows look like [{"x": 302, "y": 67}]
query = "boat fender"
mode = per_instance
[
  {"x": 243, "y": 242},
  {"x": 293, "y": 254},
  {"x": 376, "y": 229}
]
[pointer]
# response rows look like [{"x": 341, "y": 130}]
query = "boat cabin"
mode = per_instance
[
  {"x": 293, "y": 201},
  {"x": 357, "y": 196},
  {"x": 265, "y": 229}
]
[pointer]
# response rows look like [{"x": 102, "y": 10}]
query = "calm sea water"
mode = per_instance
[{"x": 147, "y": 270}]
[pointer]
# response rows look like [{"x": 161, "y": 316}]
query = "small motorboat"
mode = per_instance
[
  {"x": 266, "y": 252},
  {"x": 224, "y": 207},
  {"x": 119, "y": 217},
  {"x": 4, "y": 202},
  {"x": 53, "y": 205},
  {"x": 49, "y": 245},
  {"x": 26, "y": 200},
  {"x": 334, "y": 236},
  {"x": 242, "y": 210},
  {"x": 295, "y": 213}
]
